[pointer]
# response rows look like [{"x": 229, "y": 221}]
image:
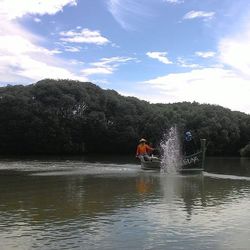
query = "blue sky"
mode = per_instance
[{"x": 157, "y": 50}]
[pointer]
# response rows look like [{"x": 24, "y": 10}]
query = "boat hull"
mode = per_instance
[
  {"x": 189, "y": 163},
  {"x": 152, "y": 164},
  {"x": 192, "y": 163}
]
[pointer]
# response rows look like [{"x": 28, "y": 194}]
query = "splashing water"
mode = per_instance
[{"x": 171, "y": 151}]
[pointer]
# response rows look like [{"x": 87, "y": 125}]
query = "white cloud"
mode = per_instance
[
  {"x": 84, "y": 36},
  {"x": 183, "y": 63},
  {"x": 98, "y": 70},
  {"x": 199, "y": 14},
  {"x": 23, "y": 67},
  {"x": 12, "y": 9},
  {"x": 209, "y": 85},
  {"x": 37, "y": 20},
  {"x": 16, "y": 45},
  {"x": 76, "y": 62},
  {"x": 161, "y": 56},
  {"x": 116, "y": 60},
  {"x": 126, "y": 12},
  {"x": 22, "y": 59},
  {"x": 205, "y": 54},
  {"x": 106, "y": 65},
  {"x": 235, "y": 52},
  {"x": 174, "y": 1},
  {"x": 72, "y": 49},
  {"x": 32, "y": 69}
]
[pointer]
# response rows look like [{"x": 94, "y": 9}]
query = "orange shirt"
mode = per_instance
[{"x": 143, "y": 149}]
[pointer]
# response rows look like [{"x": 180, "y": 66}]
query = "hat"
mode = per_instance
[{"x": 142, "y": 140}]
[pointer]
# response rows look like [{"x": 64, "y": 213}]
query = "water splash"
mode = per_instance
[{"x": 171, "y": 151}]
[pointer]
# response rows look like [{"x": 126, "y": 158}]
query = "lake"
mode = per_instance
[{"x": 110, "y": 203}]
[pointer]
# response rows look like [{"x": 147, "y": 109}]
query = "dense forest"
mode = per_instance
[{"x": 71, "y": 117}]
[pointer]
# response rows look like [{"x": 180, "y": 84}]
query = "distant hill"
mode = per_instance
[{"x": 71, "y": 117}]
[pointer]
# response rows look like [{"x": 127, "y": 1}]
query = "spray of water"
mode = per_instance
[{"x": 171, "y": 151}]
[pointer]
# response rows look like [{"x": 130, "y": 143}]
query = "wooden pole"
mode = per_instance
[{"x": 203, "y": 149}]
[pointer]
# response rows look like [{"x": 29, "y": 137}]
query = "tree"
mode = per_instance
[{"x": 64, "y": 116}]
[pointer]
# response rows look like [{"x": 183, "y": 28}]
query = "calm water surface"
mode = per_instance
[{"x": 112, "y": 204}]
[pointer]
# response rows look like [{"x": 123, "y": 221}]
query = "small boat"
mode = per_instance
[
  {"x": 189, "y": 163},
  {"x": 153, "y": 163}
]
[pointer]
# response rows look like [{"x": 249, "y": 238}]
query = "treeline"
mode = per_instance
[{"x": 63, "y": 116}]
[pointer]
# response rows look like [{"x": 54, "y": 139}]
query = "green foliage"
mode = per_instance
[{"x": 63, "y": 116}]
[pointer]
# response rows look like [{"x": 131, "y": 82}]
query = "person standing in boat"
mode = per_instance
[
  {"x": 143, "y": 150},
  {"x": 189, "y": 145}
]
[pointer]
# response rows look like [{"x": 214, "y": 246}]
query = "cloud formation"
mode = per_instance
[
  {"x": 183, "y": 63},
  {"x": 125, "y": 12},
  {"x": 226, "y": 85},
  {"x": 208, "y": 85},
  {"x": 199, "y": 14},
  {"x": 160, "y": 56},
  {"x": 83, "y": 36},
  {"x": 106, "y": 65},
  {"x": 235, "y": 52},
  {"x": 12, "y": 9},
  {"x": 205, "y": 54},
  {"x": 22, "y": 59},
  {"x": 174, "y": 1}
]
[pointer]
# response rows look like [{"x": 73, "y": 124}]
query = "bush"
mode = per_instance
[{"x": 245, "y": 152}]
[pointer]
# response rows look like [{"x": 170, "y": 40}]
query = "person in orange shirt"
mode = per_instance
[{"x": 143, "y": 150}]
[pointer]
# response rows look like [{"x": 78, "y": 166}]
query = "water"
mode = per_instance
[
  {"x": 171, "y": 152},
  {"x": 112, "y": 204}
]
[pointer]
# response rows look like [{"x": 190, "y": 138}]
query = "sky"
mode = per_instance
[{"x": 161, "y": 51}]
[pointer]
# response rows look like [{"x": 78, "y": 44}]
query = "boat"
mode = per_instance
[
  {"x": 194, "y": 162},
  {"x": 189, "y": 163},
  {"x": 153, "y": 163}
]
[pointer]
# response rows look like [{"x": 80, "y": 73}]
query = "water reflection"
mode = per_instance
[
  {"x": 186, "y": 191},
  {"x": 231, "y": 166},
  {"x": 42, "y": 198},
  {"x": 110, "y": 206}
]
